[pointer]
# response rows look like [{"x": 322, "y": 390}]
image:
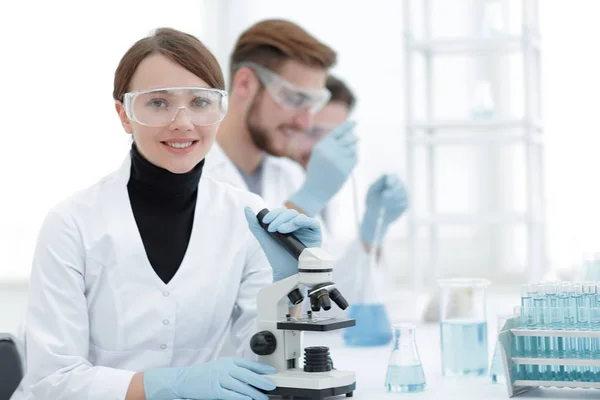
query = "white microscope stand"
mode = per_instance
[{"x": 273, "y": 308}]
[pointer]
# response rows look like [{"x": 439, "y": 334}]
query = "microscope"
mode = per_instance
[{"x": 278, "y": 341}]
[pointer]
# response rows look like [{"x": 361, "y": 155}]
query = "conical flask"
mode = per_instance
[
  {"x": 405, "y": 372},
  {"x": 373, "y": 326}
]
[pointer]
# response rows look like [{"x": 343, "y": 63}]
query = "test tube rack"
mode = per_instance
[{"x": 507, "y": 337}]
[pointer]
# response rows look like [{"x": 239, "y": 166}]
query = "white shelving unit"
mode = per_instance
[{"x": 429, "y": 133}]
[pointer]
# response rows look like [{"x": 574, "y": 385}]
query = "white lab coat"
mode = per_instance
[
  {"x": 98, "y": 312},
  {"x": 281, "y": 178}
]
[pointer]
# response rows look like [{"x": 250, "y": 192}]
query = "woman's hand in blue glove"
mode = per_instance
[
  {"x": 284, "y": 220},
  {"x": 224, "y": 378}
]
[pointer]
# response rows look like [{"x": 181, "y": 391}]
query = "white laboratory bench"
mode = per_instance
[{"x": 370, "y": 365}]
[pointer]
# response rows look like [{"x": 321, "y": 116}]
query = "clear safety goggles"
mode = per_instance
[
  {"x": 160, "y": 107},
  {"x": 287, "y": 95},
  {"x": 318, "y": 131},
  {"x": 303, "y": 141}
]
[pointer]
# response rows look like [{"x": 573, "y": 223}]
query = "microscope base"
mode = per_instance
[{"x": 298, "y": 384}]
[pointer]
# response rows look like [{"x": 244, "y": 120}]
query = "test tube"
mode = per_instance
[
  {"x": 539, "y": 302},
  {"x": 596, "y": 267},
  {"x": 519, "y": 343},
  {"x": 543, "y": 342},
  {"x": 576, "y": 303},
  {"x": 564, "y": 343},
  {"x": 554, "y": 321},
  {"x": 528, "y": 317},
  {"x": 583, "y": 324},
  {"x": 595, "y": 343}
]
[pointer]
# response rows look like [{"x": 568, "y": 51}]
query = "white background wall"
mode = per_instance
[{"x": 62, "y": 134}]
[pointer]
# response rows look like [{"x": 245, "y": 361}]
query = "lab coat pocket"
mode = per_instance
[{"x": 131, "y": 360}]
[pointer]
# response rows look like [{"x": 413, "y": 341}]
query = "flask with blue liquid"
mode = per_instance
[
  {"x": 405, "y": 372},
  {"x": 373, "y": 327}
]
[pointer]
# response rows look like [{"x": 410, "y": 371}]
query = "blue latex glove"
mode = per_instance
[
  {"x": 388, "y": 192},
  {"x": 331, "y": 162},
  {"x": 225, "y": 378},
  {"x": 284, "y": 220}
]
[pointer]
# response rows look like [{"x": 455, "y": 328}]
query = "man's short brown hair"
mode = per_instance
[
  {"x": 272, "y": 42},
  {"x": 340, "y": 92}
]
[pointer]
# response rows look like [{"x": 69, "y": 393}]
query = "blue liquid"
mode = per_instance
[
  {"x": 372, "y": 328},
  {"x": 543, "y": 343},
  {"x": 405, "y": 379},
  {"x": 595, "y": 346},
  {"x": 574, "y": 351},
  {"x": 585, "y": 343},
  {"x": 464, "y": 348}
]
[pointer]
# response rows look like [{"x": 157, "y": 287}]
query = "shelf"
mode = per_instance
[
  {"x": 473, "y": 139},
  {"x": 559, "y": 384},
  {"x": 578, "y": 362},
  {"x": 473, "y": 219},
  {"x": 555, "y": 333},
  {"x": 477, "y": 125},
  {"x": 468, "y": 46}
]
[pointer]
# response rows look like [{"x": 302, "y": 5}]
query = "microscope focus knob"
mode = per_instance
[{"x": 263, "y": 343}]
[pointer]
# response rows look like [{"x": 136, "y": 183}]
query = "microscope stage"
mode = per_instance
[
  {"x": 318, "y": 324},
  {"x": 314, "y": 385}
]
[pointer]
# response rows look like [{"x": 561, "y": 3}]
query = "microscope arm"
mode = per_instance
[{"x": 272, "y": 301}]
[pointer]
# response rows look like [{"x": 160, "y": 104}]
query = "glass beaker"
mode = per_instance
[
  {"x": 463, "y": 326},
  {"x": 405, "y": 372}
]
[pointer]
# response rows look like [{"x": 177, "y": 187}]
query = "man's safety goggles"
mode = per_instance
[{"x": 287, "y": 95}]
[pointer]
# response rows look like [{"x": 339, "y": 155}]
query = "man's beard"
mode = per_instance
[{"x": 258, "y": 133}]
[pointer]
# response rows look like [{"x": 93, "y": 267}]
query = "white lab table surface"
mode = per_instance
[{"x": 370, "y": 365}]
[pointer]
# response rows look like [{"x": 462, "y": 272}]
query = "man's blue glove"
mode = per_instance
[
  {"x": 388, "y": 192},
  {"x": 283, "y": 220},
  {"x": 225, "y": 378},
  {"x": 331, "y": 162}
]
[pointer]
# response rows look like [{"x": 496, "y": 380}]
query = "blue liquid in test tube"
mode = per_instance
[
  {"x": 554, "y": 321},
  {"x": 543, "y": 342},
  {"x": 583, "y": 323},
  {"x": 576, "y": 302},
  {"x": 595, "y": 343},
  {"x": 539, "y": 303},
  {"x": 564, "y": 344},
  {"x": 526, "y": 343}
]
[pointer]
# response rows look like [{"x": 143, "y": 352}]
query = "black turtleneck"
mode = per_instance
[{"x": 163, "y": 205}]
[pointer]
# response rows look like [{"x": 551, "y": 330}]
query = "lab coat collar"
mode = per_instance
[{"x": 216, "y": 157}]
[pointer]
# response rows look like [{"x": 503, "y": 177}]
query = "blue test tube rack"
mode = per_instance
[{"x": 513, "y": 332}]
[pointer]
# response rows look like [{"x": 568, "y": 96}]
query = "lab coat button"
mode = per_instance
[
  {"x": 163, "y": 346},
  {"x": 165, "y": 321},
  {"x": 166, "y": 294}
]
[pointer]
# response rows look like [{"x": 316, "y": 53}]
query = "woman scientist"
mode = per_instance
[{"x": 137, "y": 280}]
